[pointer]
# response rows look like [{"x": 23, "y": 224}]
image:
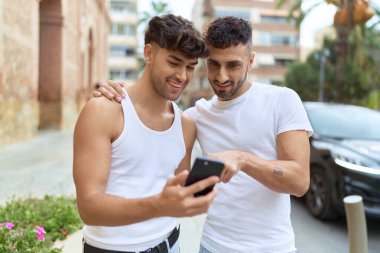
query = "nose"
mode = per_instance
[
  {"x": 222, "y": 76},
  {"x": 181, "y": 74}
]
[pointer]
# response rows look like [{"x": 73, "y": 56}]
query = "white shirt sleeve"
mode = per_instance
[
  {"x": 191, "y": 112},
  {"x": 292, "y": 114}
]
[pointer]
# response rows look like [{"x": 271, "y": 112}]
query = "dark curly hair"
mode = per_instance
[
  {"x": 229, "y": 31},
  {"x": 176, "y": 33}
]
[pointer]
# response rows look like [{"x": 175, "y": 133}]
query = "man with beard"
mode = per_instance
[
  {"x": 261, "y": 132},
  {"x": 125, "y": 154}
]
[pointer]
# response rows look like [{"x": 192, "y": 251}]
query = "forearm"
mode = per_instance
[
  {"x": 101, "y": 209},
  {"x": 278, "y": 175}
]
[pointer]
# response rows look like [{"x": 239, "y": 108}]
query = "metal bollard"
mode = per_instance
[{"x": 356, "y": 223}]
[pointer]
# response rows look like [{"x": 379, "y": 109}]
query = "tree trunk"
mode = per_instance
[{"x": 343, "y": 31}]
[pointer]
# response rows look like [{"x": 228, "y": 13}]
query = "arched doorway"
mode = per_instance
[{"x": 50, "y": 64}]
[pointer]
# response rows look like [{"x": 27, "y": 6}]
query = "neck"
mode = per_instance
[{"x": 144, "y": 95}]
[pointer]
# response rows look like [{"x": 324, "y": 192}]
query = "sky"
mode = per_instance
[{"x": 319, "y": 18}]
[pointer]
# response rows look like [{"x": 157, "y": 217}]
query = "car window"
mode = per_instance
[{"x": 345, "y": 122}]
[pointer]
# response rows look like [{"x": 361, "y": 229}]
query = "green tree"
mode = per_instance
[
  {"x": 158, "y": 7},
  {"x": 304, "y": 78},
  {"x": 350, "y": 14}
]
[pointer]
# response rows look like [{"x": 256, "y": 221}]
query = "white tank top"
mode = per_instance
[{"x": 142, "y": 161}]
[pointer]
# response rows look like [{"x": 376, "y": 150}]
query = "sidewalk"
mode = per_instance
[
  {"x": 43, "y": 166},
  {"x": 37, "y": 167}
]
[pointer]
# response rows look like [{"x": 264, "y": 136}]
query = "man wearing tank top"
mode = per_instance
[
  {"x": 261, "y": 132},
  {"x": 125, "y": 155}
]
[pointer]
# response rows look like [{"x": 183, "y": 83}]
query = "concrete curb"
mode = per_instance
[{"x": 72, "y": 244}]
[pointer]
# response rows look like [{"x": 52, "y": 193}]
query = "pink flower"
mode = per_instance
[
  {"x": 40, "y": 230},
  {"x": 9, "y": 225},
  {"x": 40, "y": 237}
]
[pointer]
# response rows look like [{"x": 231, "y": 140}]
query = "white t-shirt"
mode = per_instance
[{"x": 246, "y": 216}]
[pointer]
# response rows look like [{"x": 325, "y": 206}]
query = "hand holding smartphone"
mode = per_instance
[{"x": 203, "y": 168}]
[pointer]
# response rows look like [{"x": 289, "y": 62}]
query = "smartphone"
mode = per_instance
[{"x": 203, "y": 168}]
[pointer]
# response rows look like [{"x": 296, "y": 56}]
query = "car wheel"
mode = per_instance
[{"x": 319, "y": 195}]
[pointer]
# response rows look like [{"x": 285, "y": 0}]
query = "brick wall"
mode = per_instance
[
  {"x": 44, "y": 66},
  {"x": 18, "y": 64}
]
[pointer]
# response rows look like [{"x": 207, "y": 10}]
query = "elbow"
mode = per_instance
[
  {"x": 301, "y": 191},
  {"x": 89, "y": 218},
  {"x": 302, "y": 187},
  {"x": 85, "y": 216},
  {"x": 87, "y": 213}
]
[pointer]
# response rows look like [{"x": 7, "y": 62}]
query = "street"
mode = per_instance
[{"x": 315, "y": 236}]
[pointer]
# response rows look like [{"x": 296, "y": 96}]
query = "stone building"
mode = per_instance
[
  {"x": 52, "y": 53},
  {"x": 122, "y": 62}
]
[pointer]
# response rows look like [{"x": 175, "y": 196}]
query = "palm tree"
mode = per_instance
[
  {"x": 349, "y": 14},
  {"x": 159, "y": 8}
]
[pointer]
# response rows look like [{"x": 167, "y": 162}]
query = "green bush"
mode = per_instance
[{"x": 23, "y": 224}]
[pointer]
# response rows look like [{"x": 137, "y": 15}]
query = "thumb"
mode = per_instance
[{"x": 179, "y": 179}]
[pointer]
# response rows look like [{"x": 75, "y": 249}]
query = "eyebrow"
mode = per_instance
[
  {"x": 211, "y": 60},
  {"x": 234, "y": 62},
  {"x": 180, "y": 60},
  {"x": 229, "y": 62}
]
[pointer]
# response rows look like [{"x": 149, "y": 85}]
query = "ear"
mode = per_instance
[
  {"x": 148, "y": 54},
  {"x": 251, "y": 60}
]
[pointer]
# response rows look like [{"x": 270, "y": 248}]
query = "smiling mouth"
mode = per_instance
[{"x": 175, "y": 85}]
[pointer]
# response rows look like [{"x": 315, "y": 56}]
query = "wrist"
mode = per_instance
[
  {"x": 249, "y": 162},
  {"x": 156, "y": 206},
  {"x": 243, "y": 160}
]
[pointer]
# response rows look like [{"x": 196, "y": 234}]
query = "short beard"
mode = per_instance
[{"x": 233, "y": 92}]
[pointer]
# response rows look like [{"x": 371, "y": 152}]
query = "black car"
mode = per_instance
[{"x": 345, "y": 158}]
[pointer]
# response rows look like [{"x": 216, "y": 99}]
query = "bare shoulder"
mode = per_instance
[
  {"x": 102, "y": 105},
  {"x": 103, "y": 113}
]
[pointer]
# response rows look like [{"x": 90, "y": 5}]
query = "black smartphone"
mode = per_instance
[{"x": 203, "y": 168}]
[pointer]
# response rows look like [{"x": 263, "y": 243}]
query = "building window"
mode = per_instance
[
  {"x": 123, "y": 74},
  {"x": 122, "y": 51},
  {"x": 276, "y": 20},
  {"x": 276, "y": 39},
  {"x": 244, "y": 14},
  {"x": 123, "y": 29},
  {"x": 121, "y": 7},
  {"x": 283, "y": 62}
]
